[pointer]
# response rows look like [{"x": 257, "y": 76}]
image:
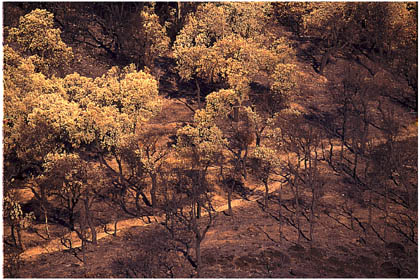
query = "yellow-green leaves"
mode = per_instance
[
  {"x": 267, "y": 156},
  {"x": 35, "y": 36},
  {"x": 229, "y": 43},
  {"x": 218, "y": 105},
  {"x": 45, "y": 114},
  {"x": 154, "y": 37},
  {"x": 205, "y": 139},
  {"x": 134, "y": 93},
  {"x": 285, "y": 83},
  {"x": 202, "y": 144},
  {"x": 13, "y": 211}
]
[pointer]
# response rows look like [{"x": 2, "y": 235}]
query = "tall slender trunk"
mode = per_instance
[
  {"x": 198, "y": 94},
  {"x": 84, "y": 254},
  {"x": 297, "y": 214},
  {"x": 44, "y": 209},
  {"x": 343, "y": 136},
  {"x": 266, "y": 194},
  {"x": 198, "y": 256},
  {"x": 71, "y": 213},
  {"x": 312, "y": 217},
  {"x": 115, "y": 227},
  {"x": 12, "y": 232},
  {"x": 386, "y": 213},
  {"x": 198, "y": 210},
  {"x": 230, "y": 189},
  {"x": 280, "y": 217},
  {"x": 324, "y": 61},
  {"x": 370, "y": 208},
  {"x": 244, "y": 158},
  {"x": 47, "y": 231},
  {"x": 89, "y": 221},
  {"x": 19, "y": 235},
  {"x": 179, "y": 4},
  {"x": 356, "y": 158},
  {"x": 153, "y": 177}
]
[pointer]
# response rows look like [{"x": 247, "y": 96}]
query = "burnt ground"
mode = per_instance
[{"x": 246, "y": 245}]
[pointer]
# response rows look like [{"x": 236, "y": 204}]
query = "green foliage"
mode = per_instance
[
  {"x": 13, "y": 212},
  {"x": 36, "y": 36},
  {"x": 226, "y": 42},
  {"x": 49, "y": 121},
  {"x": 154, "y": 37}
]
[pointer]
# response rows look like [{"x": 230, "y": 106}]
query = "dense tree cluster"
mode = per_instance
[{"x": 87, "y": 150}]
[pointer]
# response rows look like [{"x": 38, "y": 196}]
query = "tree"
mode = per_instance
[
  {"x": 225, "y": 43},
  {"x": 291, "y": 14},
  {"x": 300, "y": 142},
  {"x": 36, "y": 37},
  {"x": 153, "y": 36},
  {"x": 57, "y": 129},
  {"x": 268, "y": 103},
  {"x": 382, "y": 31},
  {"x": 215, "y": 130},
  {"x": 187, "y": 192},
  {"x": 264, "y": 163}
]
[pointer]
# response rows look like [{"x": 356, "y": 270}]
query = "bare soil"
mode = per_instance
[{"x": 249, "y": 243}]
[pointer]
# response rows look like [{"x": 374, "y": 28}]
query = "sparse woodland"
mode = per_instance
[{"x": 220, "y": 139}]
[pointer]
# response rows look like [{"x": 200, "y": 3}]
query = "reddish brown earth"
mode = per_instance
[{"x": 247, "y": 244}]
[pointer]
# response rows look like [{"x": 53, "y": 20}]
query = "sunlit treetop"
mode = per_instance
[
  {"x": 214, "y": 21},
  {"x": 36, "y": 36},
  {"x": 154, "y": 38},
  {"x": 229, "y": 43}
]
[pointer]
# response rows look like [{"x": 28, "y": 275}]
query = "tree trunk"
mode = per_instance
[
  {"x": 179, "y": 4},
  {"x": 370, "y": 209},
  {"x": 70, "y": 206},
  {"x": 324, "y": 61},
  {"x": 153, "y": 190},
  {"x": 356, "y": 157},
  {"x": 386, "y": 213},
  {"x": 12, "y": 232},
  {"x": 230, "y": 212},
  {"x": 115, "y": 227},
  {"x": 312, "y": 217},
  {"x": 297, "y": 215},
  {"x": 89, "y": 221},
  {"x": 198, "y": 256},
  {"x": 280, "y": 217},
  {"x": 198, "y": 94},
  {"x": 257, "y": 139},
  {"x": 46, "y": 221},
  {"x": 20, "y": 242},
  {"x": 266, "y": 194},
  {"x": 244, "y": 162},
  {"x": 343, "y": 136},
  {"x": 198, "y": 210}
]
